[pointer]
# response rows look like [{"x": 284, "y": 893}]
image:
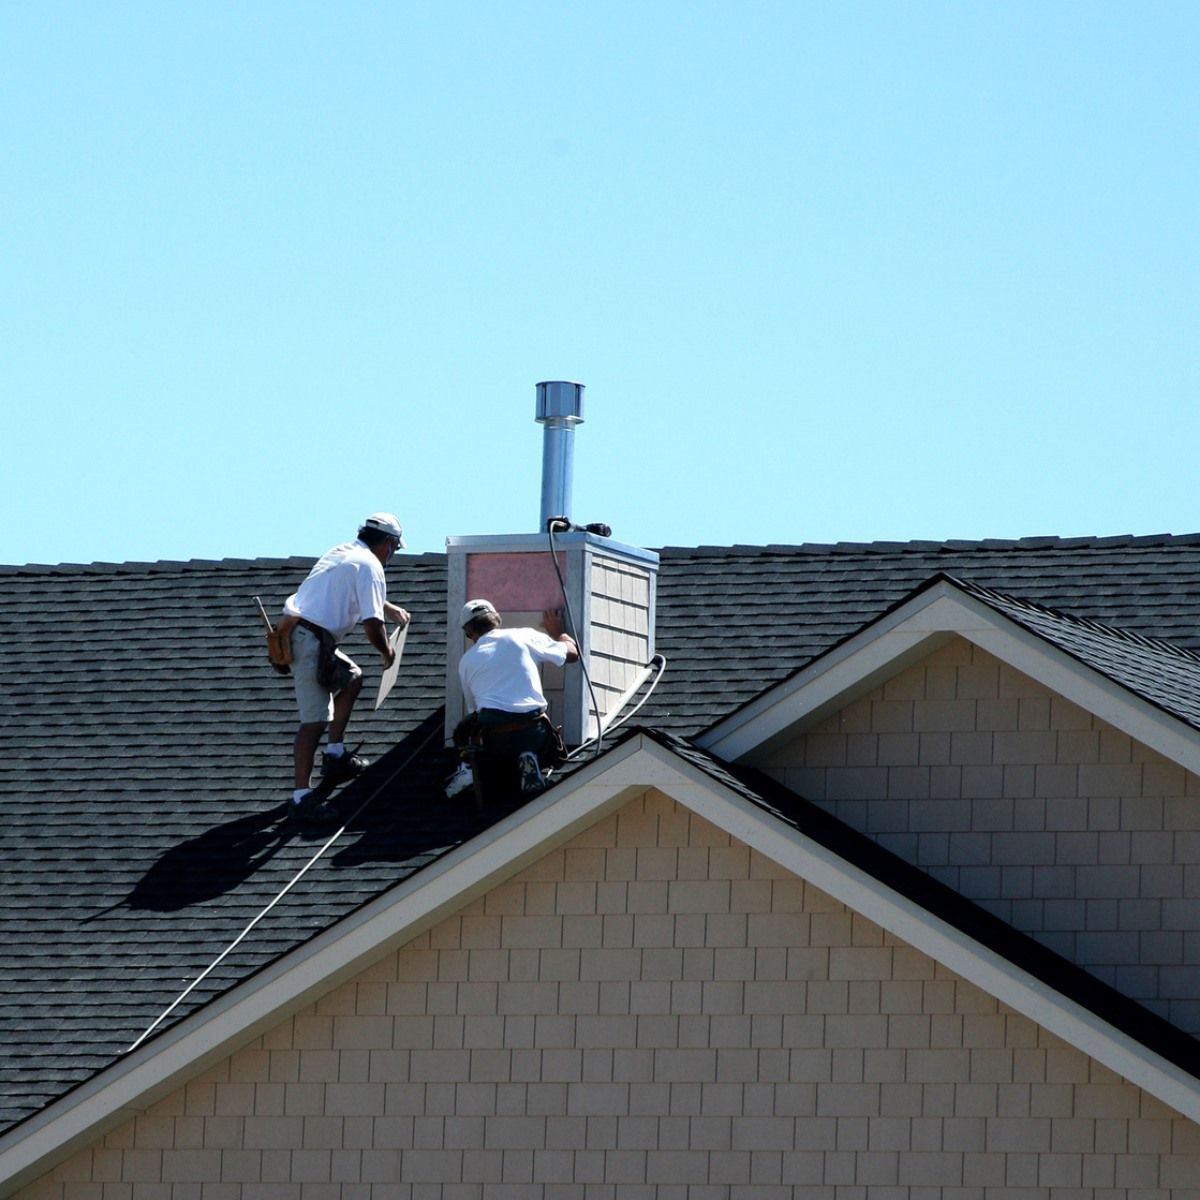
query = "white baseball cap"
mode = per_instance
[
  {"x": 475, "y": 608},
  {"x": 386, "y": 522}
]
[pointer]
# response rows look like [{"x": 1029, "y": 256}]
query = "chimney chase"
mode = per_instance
[{"x": 609, "y": 587}]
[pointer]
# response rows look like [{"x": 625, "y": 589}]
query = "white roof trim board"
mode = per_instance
[
  {"x": 347, "y": 948},
  {"x": 911, "y": 632}
]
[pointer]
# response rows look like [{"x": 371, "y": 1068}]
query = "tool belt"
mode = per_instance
[
  {"x": 508, "y": 726},
  {"x": 495, "y": 721},
  {"x": 476, "y": 732},
  {"x": 334, "y": 669}
]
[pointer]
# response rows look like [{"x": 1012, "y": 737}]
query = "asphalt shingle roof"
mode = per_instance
[
  {"x": 734, "y": 620},
  {"x": 145, "y": 750}
]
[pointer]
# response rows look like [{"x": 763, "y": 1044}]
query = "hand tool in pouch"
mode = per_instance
[{"x": 279, "y": 643}]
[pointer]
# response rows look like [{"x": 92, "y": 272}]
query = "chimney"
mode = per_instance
[{"x": 608, "y": 587}]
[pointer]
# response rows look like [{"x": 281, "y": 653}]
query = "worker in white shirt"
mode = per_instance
[
  {"x": 346, "y": 587},
  {"x": 502, "y": 687}
]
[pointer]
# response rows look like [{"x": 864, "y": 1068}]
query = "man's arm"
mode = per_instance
[
  {"x": 376, "y": 633},
  {"x": 469, "y": 705},
  {"x": 395, "y": 614},
  {"x": 552, "y": 623}
]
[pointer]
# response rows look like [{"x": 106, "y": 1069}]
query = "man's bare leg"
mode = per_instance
[
  {"x": 304, "y": 751},
  {"x": 343, "y": 705}
]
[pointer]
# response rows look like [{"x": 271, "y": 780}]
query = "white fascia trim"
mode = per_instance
[
  {"x": 228, "y": 1022},
  {"x": 915, "y": 630}
]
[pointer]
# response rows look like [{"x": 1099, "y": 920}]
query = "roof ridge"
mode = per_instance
[
  {"x": 167, "y": 565},
  {"x": 955, "y": 545},
  {"x": 925, "y": 545}
]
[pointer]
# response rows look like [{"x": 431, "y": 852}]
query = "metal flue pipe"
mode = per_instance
[{"x": 559, "y": 410}]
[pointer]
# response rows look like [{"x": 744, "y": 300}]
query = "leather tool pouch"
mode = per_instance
[
  {"x": 333, "y": 668},
  {"x": 466, "y": 732},
  {"x": 554, "y": 753},
  {"x": 279, "y": 647}
]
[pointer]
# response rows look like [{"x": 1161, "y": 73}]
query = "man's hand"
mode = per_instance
[
  {"x": 376, "y": 633},
  {"x": 552, "y": 623},
  {"x": 395, "y": 614}
]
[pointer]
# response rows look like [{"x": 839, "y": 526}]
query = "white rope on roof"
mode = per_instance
[{"x": 212, "y": 966}]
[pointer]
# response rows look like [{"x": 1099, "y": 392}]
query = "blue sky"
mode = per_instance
[{"x": 829, "y": 271}]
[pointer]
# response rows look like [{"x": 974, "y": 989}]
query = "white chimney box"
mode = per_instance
[{"x": 610, "y": 588}]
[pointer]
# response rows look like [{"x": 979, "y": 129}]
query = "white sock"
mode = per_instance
[
  {"x": 336, "y": 749},
  {"x": 299, "y": 794}
]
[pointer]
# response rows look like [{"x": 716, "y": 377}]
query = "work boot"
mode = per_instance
[
  {"x": 312, "y": 809},
  {"x": 337, "y": 768},
  {"x": 529, "y": 772}
]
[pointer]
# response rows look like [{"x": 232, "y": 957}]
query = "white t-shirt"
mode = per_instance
[
  {"x": 346, "y": 586},
  {"x": 501, "y": 670}
]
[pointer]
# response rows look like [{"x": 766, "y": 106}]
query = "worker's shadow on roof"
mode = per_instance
[
  {"x": 210, "y": 865},
  {"x": 398, "y": 811}
]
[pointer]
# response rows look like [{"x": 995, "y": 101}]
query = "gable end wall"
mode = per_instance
[
  {"x": 1020, "y": 800},
  {"x": 652, "y": 1011}
]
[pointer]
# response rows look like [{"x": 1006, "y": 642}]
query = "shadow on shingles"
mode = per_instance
[
  {"x": 397, "y": 812},
  {"x": 405, "y": 816},
  {"x": 210, "y": 865},
  {"x": 414, "y": 831}
]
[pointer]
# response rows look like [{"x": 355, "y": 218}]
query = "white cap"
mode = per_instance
[
  {"x": 386, "y": 522},
  {"x": 475, "y": 608}
]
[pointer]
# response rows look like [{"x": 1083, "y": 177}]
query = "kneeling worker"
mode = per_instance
[
  {"x": 501, "y": 685},
  {"x": 346, "y": 586}
]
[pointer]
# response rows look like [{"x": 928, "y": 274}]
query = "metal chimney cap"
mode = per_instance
[{"x": 559, "y": 401}]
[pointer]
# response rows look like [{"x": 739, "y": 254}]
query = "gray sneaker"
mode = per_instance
[
  {"x": 530, "y": 773},
  {"x": 339, "y": 768},
  {"x": 313, "y": 809}
]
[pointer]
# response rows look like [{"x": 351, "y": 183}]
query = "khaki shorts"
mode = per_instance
[{"x": 314, "y": 702}]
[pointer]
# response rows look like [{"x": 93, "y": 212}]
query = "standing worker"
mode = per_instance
[
  {"x": 501, "y": 686},
  {"x": 346, "y": 586}
]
